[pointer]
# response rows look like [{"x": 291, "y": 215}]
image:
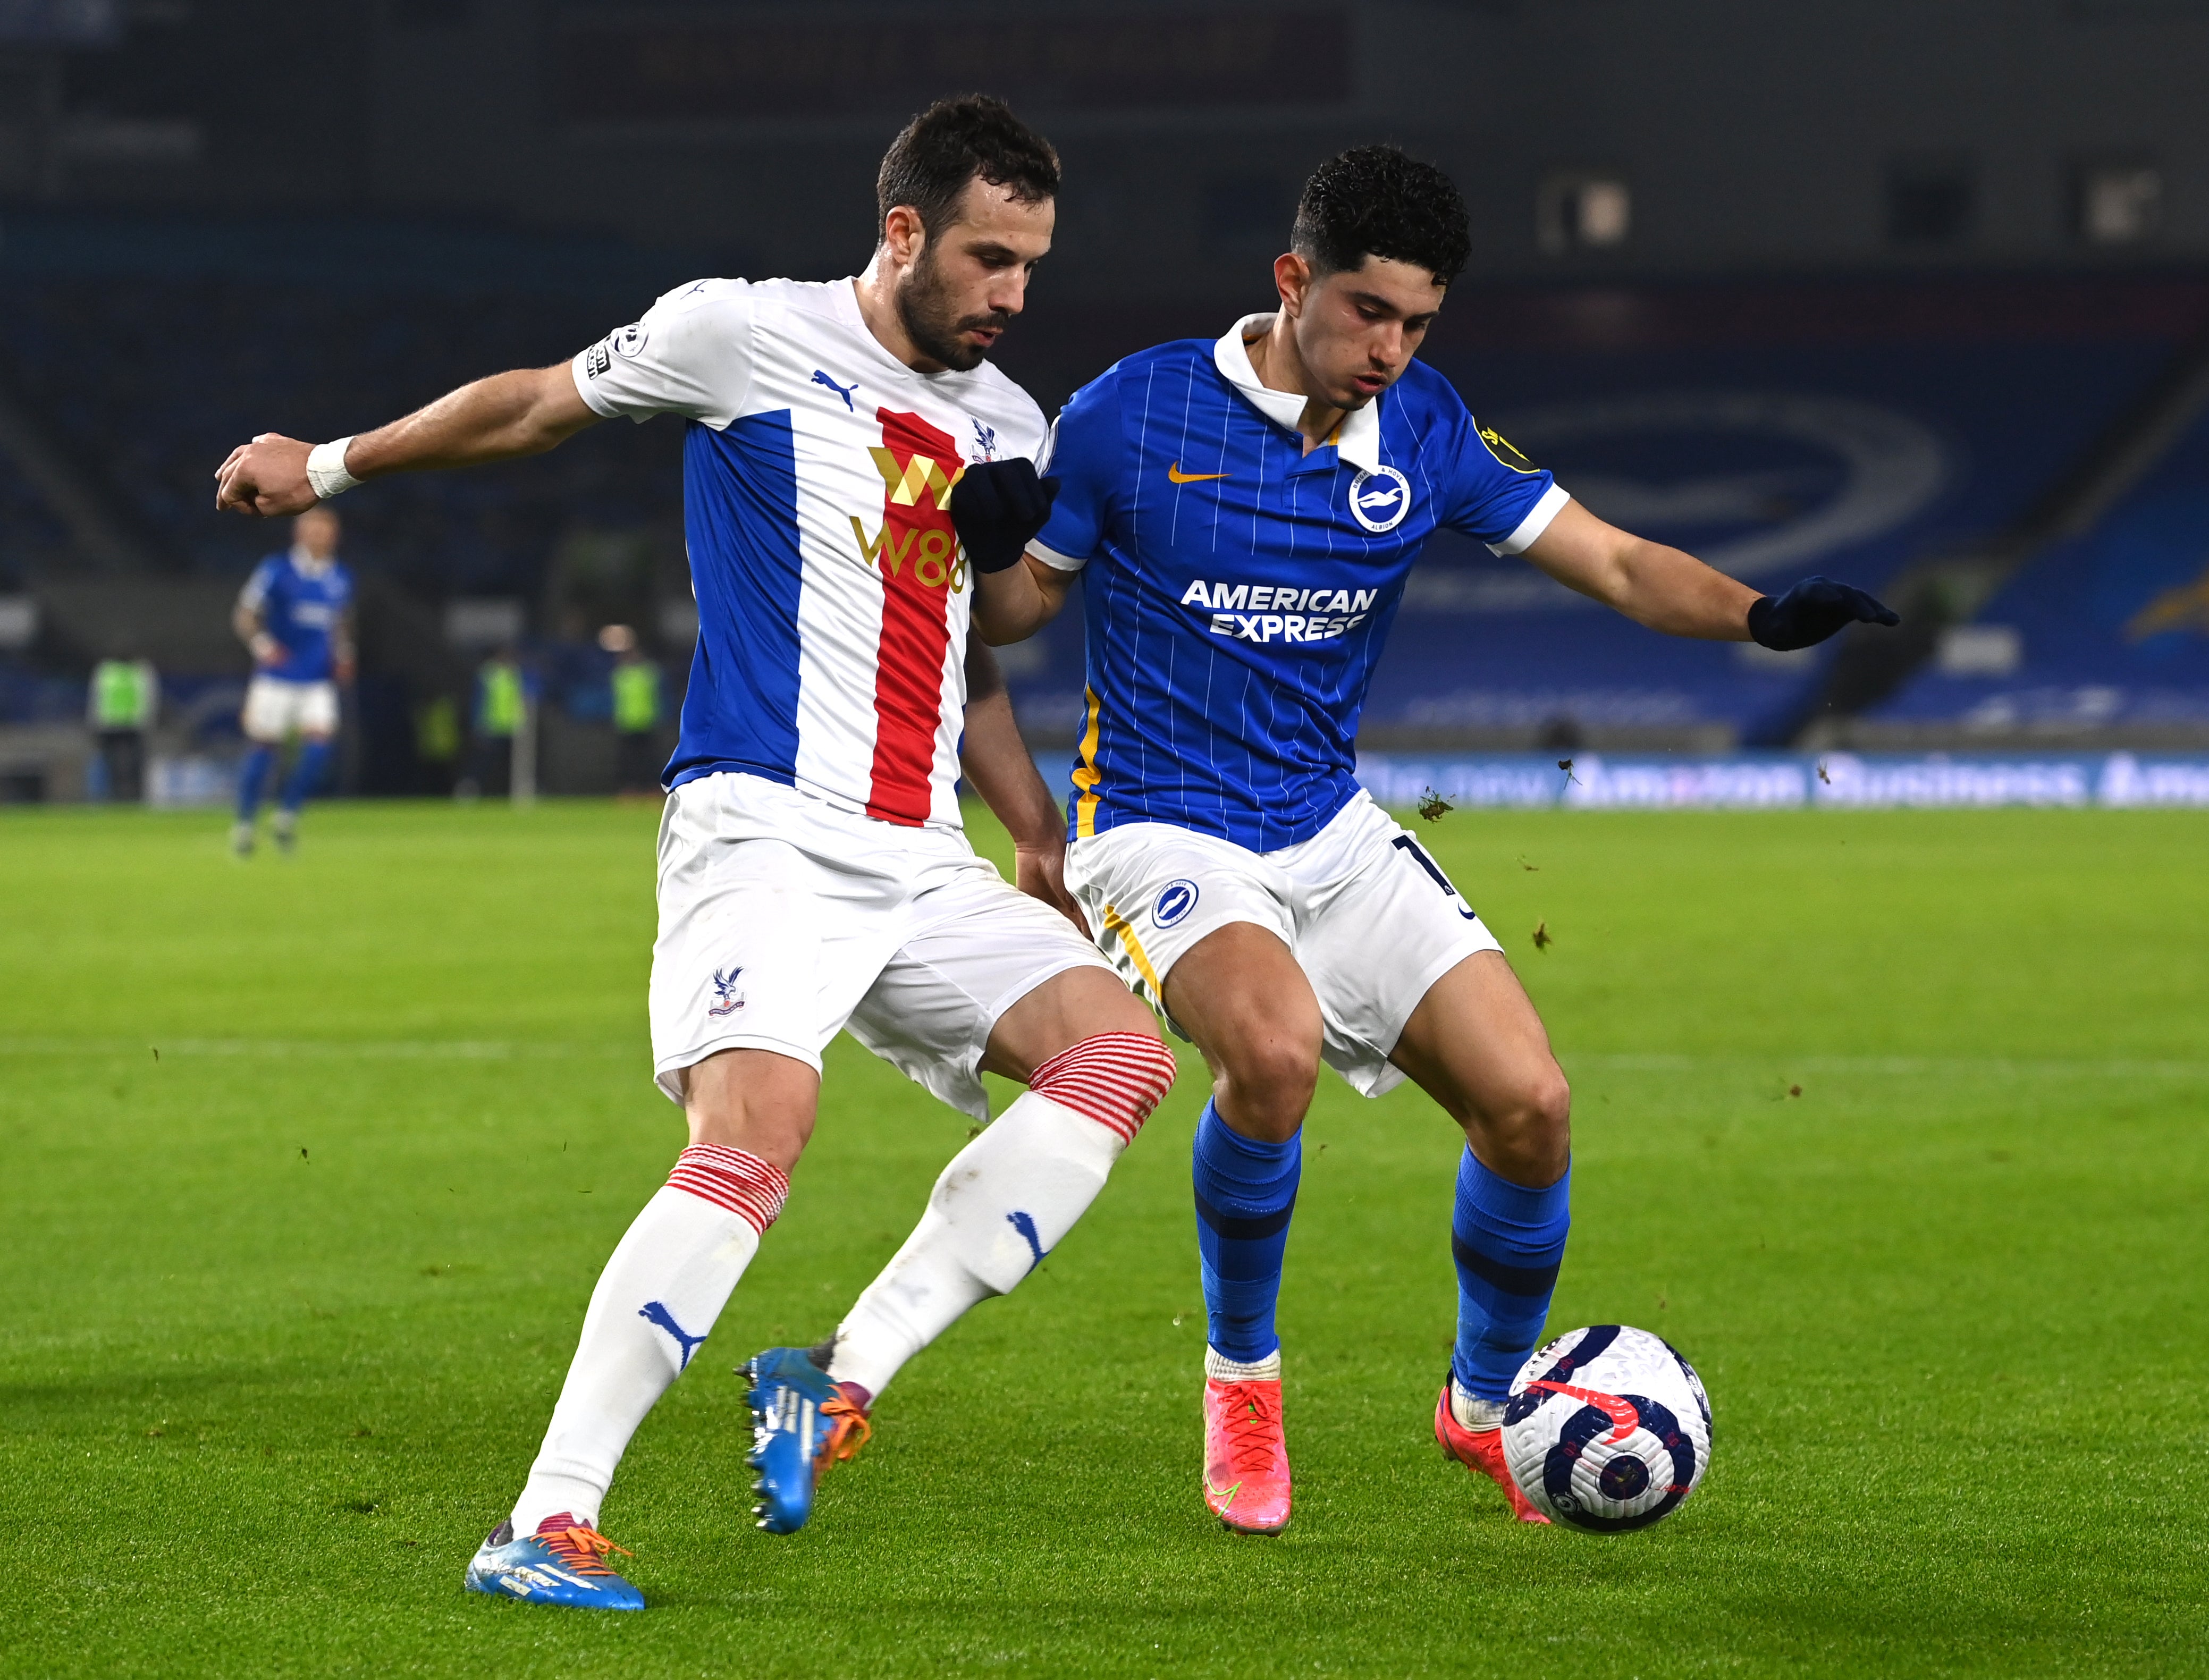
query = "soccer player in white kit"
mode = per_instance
[{"x": 813, "y": 871}]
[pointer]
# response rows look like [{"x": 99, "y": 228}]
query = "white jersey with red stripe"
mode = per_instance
[{"x": 833, "y": 597}]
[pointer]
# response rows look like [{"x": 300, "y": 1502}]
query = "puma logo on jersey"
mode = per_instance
[
  {"x": 843, "y": 391},
  {"x": 1175, "y": 475}
]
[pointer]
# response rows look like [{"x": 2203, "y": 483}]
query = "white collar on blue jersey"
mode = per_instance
[
  {"x": 1356, "y": 440},
  {"x": 309, "y": 566}
]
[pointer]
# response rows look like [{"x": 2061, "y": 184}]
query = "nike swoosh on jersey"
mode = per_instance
[{"x": 1175, "y": 475}]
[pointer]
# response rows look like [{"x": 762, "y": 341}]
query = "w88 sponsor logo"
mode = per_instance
[
  {"x": 923, "y": 535},
  {"x": 938, "y": 562}
]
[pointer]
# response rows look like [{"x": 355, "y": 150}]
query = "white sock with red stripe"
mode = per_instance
[
  {"x": 1006, "y": 1200},
  {"x": 669, "y": 1278}
]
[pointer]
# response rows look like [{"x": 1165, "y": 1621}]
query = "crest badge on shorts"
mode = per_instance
[
  {"x": 1379, "y": 499},
  {"x": 1174, "y": 902}
]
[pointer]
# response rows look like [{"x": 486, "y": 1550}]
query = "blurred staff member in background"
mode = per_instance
[
  {"x": 501, "y": 697},
  {"x": 636, "y": 712},
  {"x": 295, "y": 613},
  {"x": 124, "y": 701},
  {"x": 437, "y": 744}
]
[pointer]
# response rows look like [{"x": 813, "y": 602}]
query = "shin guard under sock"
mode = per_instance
[
  {"x": 1005, "y": 1200},
  {"x": 667, "y": 1281},
  {"x": 1507, "y": 1241},
  {"x": 1245, "y": 1193}
]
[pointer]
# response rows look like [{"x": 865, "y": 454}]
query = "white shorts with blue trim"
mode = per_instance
[
  {"x": 1369, "y": 916},
  {"x": 276, "y": 709},
  {"x": 785, "y": 919}
]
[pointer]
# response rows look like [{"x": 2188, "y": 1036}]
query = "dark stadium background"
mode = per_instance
[{"x": 1912, "y": 293}]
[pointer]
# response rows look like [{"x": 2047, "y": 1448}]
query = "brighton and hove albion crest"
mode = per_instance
[{"x": 1379, "y": 499}]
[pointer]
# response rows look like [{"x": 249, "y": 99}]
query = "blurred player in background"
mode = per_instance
[
  {"x": 295, "y": 615},
  {"x": 813, "y": 869},
  {"x": 1243, "y": 514}
]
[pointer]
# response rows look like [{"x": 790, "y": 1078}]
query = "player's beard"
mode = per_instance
[{"x": 926, "y": 310}]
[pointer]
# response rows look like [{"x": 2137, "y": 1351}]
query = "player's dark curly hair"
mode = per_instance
[
  {"x": 948, "y": 145},
  {"x": 1375, "y": 201}
]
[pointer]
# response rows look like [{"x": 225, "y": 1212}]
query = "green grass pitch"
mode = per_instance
[{"x": 310, "y": 1165}]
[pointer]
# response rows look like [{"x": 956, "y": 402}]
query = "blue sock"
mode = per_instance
[
  {"x": 306, "y": 776},
  {"x": 1507, "y": 1241},
  {"x": 1245, "y": 1192},
  {"x": 253, "y": 780}
]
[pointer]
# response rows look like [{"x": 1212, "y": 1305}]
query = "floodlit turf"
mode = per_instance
[{"x": 286, "y": 1304}]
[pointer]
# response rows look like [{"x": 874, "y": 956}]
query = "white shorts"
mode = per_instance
[
  {"x": 275, "y": 709},
  {"x": 784, "y": 918},
  {"x": 1368, "y": 916}
]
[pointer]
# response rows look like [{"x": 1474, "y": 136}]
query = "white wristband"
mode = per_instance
[{"x": 326, "y": 469}]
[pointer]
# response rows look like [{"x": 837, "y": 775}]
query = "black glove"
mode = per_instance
[
  {"x": 1809, "y": 612},
  {"x": 998, "y": 508}
]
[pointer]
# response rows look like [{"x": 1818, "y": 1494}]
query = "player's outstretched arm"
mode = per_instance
[
  {"x": 997, "y": 509},
  {"x": 1670, "y": 590},
  {"x": 997, "y": 765},
  {"x": 503, "y": 417}
]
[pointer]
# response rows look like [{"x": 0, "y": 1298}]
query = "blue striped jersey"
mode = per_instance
[
  {"x": 301, "y": 601},
  {"x": 1238, "y": 590}
]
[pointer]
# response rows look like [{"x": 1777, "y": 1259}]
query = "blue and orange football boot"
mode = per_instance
[
  {"x": 563, "y": 1563},
  {"x": 802, "y": 1423},
  {"x": 1246, "y": 1456},
  {"x": 1480, "y": 1451}
]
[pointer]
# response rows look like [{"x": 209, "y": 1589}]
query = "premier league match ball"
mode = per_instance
[{"x": 1607, "y": 1429}]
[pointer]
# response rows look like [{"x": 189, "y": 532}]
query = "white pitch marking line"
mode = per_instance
[{"x": 2111, "y": 1068}]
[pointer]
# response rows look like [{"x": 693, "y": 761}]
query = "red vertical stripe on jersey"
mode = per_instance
[{"x": 916, "y": 564}]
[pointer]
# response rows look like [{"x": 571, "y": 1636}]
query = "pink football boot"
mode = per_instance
[
  {"x": 1482, "y": 1453},
  {"x": 1246, "y": 1461}
]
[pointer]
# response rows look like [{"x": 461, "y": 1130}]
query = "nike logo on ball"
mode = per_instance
[{"x": 1625, "y": 1417}]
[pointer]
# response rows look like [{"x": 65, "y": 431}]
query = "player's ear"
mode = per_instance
[
  {"x": 904, "y": 233},
  {"x": 1292, "y": 279}
]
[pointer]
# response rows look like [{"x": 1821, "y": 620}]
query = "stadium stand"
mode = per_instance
[
  {"x": 137, "y": 351},
  {"x": 1779, "y": 427},
  {"x": 2103, "y": 637}
]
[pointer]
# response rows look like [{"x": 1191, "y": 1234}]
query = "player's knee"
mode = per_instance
[
  {"x": 1115, "y": 1078},
  {"x": 1268, "y": 1084},
  {"x": 1527, "y": 1131},
  {"x": 753, "y": 1101}
]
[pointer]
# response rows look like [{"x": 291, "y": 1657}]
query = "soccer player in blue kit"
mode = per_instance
[
  {"x": 1244, "y": 513},
  {"x": 295, "y": 616}
]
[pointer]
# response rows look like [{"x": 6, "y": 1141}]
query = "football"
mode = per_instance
[{"x": 1608, "y": 1429}]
